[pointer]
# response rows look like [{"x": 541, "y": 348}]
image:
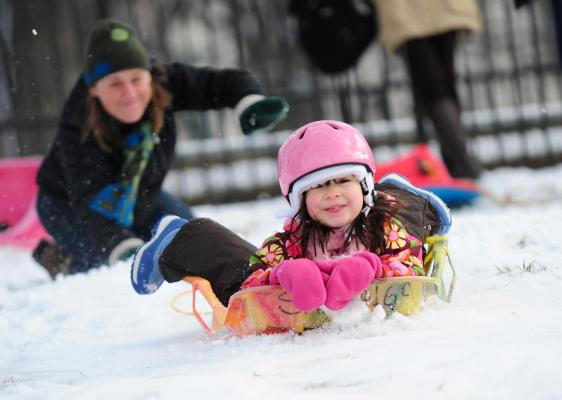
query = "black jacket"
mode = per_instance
[{"x": 76, "y": 171}]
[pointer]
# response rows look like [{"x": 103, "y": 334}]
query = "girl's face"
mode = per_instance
[
  {"x": 125, "y": 94},
  {"x": 335, "y": 203}
]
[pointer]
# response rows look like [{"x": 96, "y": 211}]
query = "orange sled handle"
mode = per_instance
[{"x": 203, "y": 286}]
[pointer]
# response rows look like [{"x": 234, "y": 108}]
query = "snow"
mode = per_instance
[{"x": 91, "y": 337}]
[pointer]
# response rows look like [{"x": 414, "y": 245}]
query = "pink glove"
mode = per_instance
[
  {"x": 349, "y": 277},
  {"x": 374, "y": 260},
  {"x": 302, "y": 279},
  {"x": 325, "y": 267}
]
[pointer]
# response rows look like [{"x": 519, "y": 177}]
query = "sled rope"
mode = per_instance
[{"x": 176, "y": 308}]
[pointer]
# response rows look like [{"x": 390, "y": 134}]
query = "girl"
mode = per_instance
[{"x": 345, "y": 230}]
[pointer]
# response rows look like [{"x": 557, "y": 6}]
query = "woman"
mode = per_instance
[
  {"x": 101, "y": 182},
  {"x": 425, "y": 32}
]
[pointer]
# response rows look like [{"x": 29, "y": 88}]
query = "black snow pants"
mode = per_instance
[{"x": 204, "y": 248}]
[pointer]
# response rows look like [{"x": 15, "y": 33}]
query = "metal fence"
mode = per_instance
[{"x": 509, "y": 82}]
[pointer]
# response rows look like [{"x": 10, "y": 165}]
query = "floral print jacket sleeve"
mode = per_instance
[
  {"x": 403, "y": 253},
  {"x": 276, "y": 248}
]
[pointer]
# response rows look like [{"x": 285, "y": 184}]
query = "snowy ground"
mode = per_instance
[{"x": 91, "y": 337}]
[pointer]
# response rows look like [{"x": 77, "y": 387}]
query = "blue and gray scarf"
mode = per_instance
[{"x": 117, "y": 201}]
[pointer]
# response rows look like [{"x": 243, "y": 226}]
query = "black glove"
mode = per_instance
[{"x": 263, "y": 114}]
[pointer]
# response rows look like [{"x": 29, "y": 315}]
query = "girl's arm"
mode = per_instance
[{"x": 272, "y": 252}]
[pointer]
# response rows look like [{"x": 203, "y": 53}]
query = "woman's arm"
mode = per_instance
[{"x": 203, "y": 88}]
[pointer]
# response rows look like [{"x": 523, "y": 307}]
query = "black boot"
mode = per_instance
[{"x": 53, "y": 258}]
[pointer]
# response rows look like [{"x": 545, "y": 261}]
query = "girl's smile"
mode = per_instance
[
  {"x": 335, "y": 203},
  {"x": 334, "y": 209}
]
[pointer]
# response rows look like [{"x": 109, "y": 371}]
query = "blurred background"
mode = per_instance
[{"x": 509, "y": 82}]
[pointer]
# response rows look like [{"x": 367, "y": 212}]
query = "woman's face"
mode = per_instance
[
  {"x": 125, "y": 94},
  {"x": 335, "y": 203}
]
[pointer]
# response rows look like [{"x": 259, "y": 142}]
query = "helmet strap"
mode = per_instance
[{"x": 369, "y": 193}]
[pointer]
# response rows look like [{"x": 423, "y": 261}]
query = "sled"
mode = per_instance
[
  {"x": 426, "y": 171},
  {"x": 407, "y": 294},
  {"x": 20, "y": 225},
  {"x": 268, "y": 309}
]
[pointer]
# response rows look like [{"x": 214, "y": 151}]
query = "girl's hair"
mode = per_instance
[
  {"x": 366, "y": 229},
  {"x": 98, "y": 123}
]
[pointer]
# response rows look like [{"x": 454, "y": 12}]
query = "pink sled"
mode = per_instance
[{"x": 21, "y": 226}]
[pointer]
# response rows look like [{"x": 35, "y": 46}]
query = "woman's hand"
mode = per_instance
[{"x": 263, "y": 114}]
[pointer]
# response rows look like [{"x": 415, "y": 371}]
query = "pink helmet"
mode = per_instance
[{"x": 320, "y": 151}]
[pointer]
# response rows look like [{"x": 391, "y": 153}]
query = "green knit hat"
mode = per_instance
[{"x": 112, "y": 46}]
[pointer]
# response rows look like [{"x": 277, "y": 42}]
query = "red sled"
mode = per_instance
[
  {"x": 428, "y": 172},
  {"x": 20, "y": 225}
]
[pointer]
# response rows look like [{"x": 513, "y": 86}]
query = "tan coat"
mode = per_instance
[{"x": 402, "y": 20}]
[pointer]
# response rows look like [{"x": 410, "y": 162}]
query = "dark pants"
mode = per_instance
[
  {"x": 557, "y": 15},
  {"x": 207, "y": 249},
  {"x": 77, "y": 238},
  {"x": 431, "y": 66}
]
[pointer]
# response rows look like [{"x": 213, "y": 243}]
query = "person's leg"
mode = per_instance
[
  {"x": 417, "y": 98},
  {"x": 72, "y": 237},
  {"x": 447, "y": 112},
  {"x": 169, "y": 204},
  {"x": 166, "y": 205},
  {"x": 207, "y": 249},
  {"x": 444, "y": 46},
  {"x": 557, "y": 15},
  {"x": 431, "y": 66},
  {"x": 200, "y": 247}
]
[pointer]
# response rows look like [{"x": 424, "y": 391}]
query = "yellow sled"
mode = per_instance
[{"x": 268, "y": 309}]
